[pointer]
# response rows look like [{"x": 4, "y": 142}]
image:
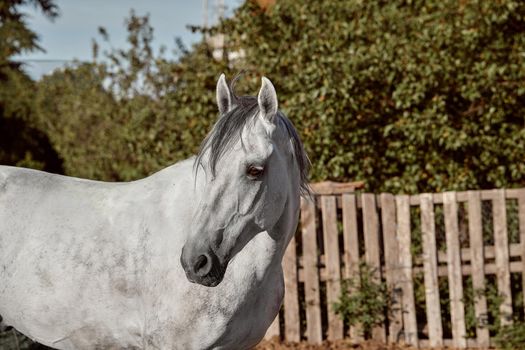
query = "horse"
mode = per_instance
[{"x": 187, "y": 258}]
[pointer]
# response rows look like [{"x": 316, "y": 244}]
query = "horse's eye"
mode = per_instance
[{"x": 254, "y": 172}]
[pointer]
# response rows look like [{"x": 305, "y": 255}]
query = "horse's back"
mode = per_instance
[
  {"x": 34, "y": 203},
  {"x": 59, "y": 245},
  {"x": 23, "y": 190}
]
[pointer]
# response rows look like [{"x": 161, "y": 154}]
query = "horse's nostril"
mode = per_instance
[
  {"x": 202, "y": 265},
  {"x": 201, "y": 262}
]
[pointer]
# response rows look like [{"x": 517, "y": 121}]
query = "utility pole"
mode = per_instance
[
  {"x": 214, "y": 10},
  {"x": 205, "y": 5},
  {"x": 220, "y": 9}
]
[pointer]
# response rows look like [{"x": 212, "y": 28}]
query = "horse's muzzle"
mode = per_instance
[{"x": 203, "y": 268}]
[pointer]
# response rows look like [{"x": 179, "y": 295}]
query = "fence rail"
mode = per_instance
[{"x": 458, "y": 235}]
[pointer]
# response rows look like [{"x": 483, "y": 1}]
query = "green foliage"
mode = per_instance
[
  {"x": 363, "y": 300},
  {"x": 16, "y": 37},
  {"x": 21, "y": 143},
  {"x": 410, "y": 96},
  {"x": 494, "y": 301},
  {"x": 504, "y": 337},
  {"x": 134, "y": 112},
  {"x": 492, "y": 319},
  {"x": 511, "y": 337}
]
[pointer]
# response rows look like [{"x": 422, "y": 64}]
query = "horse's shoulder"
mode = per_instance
[
  {"x": 11, "y": 173},
  {"x": 8, "y": 174},
  {"x": 3, "y": 178},
  {"x": 15, "y": 177},
  {"x": 7, "y": 171}
]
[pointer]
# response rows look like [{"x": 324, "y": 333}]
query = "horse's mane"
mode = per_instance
[{"x": 228, "y": 130}]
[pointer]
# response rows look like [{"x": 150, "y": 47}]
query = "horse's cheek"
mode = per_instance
[
  {"x": 274, "y": 207},
  {"x": 246, "y": 197}
]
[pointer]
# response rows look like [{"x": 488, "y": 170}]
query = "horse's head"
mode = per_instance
[{"x": 253, "y": 164}]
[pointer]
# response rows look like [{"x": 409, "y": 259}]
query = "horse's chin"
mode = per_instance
[
  {"x": 207, "y": 281},
  {"x": 211, "y": 283}
]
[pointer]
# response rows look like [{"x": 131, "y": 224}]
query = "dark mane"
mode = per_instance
[{"x": 228, "y": 130}]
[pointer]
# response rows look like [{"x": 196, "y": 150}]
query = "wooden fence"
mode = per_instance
[{"x": 339, "y": 229}]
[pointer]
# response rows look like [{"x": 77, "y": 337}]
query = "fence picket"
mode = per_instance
[
  {"x": 388, "y": 221},
  {"x": 433, "y": 306},
  {"x": 521, "y": 223},
  {"x": 311, "y": 273},
  {"x": 273, "y": 331},
  {"x": 478, "y": 268},
  {"x": 372, "y": 248},
  {"x": 291, "y": 298},
  {"x": 457, "y": 310},
  {"x": 501, "y": 244},
  {"x": 351, "y": 250},
  {"x": 333, "y": 265},
  {"x": 405, "y": 262}
]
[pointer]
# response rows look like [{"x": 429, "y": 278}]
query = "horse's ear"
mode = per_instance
[
  {"x": 224, "y": 98},
  {"x": 267, "y": 100}
]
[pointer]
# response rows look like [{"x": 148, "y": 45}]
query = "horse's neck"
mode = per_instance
[
  {"x": 284, "y": 229},
  {"x": 178, "y": 184},
  {"x": 287, "y": 225},
  {"x": 176, "y": 196}
]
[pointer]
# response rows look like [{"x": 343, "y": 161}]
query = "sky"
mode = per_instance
[{"x": 69, "y": 36}]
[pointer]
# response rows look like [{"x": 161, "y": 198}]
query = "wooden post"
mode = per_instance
[
  {"x": 477, "y": 261},
  {"x": 433, "y": 306},
  {"x": 350, "y": 236},
  {"x": 311, "y": 273},
  {"x": 372, "y": 248},
  {"x": 351, "y": 250},
  {"x": 457, "y": 310},
  {"x": 501, "y": 245},
  {"x": 388, "y": 222},
  {"x": 333, "y": 265},
  {"x": 521, "y": 216},
  {"x": 405, "y": 261},
  {"x": 291, "y": 298}
]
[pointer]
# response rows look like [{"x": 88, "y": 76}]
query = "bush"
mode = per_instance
[
  {"x": 511, "y": 337},
  {"x": 363, "y": 300}
]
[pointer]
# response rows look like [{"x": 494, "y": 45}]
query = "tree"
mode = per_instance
[
  {"x": 21, "y": 143},
  {"x": 133, "y": 112},
  {"x": 409, "y": 96},
  {"x": 15, "y": 36}
]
